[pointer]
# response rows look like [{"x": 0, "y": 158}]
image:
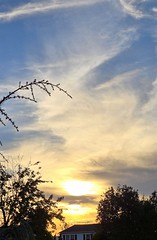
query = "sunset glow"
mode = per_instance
[
  {"x": 78, "y": 188},
  {"x": 103, "y": 53},
  {"x": 76, "y": 209}
]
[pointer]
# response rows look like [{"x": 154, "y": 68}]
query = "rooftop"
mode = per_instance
[{"x": 81, "y": 228}]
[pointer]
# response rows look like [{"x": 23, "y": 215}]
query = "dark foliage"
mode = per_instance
[
  {"x": 123, "y": 215},
  {"x": 21, "y": 199},
  {"x": 42, "y": 219},
  {"x": 17, "y": 232},
  {"x": 20, "y": 196}
]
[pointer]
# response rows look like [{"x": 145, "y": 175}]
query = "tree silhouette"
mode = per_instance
[
  {"x": 20, "y": 196},
  {"x": 123, "y": 215},
  {"x": 21, "y": 199},
  {"x": 41, "y": 221}
]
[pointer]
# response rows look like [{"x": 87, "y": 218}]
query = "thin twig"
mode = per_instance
[{"x": 16, "y": 94}]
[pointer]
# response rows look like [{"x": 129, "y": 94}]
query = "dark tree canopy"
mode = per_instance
[
  {"x": 21, "y": 199},
  {"x": 124, "y": 215},
  {"x": 41, "y": 219}
]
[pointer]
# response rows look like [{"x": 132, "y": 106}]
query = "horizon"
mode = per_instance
[{"x": 103, "y": 53}]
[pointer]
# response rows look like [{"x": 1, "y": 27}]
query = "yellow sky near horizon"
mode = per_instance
[{"x": 103, "y": 53}]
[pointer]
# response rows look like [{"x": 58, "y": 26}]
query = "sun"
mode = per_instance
[{"x": 78, "y": 188}]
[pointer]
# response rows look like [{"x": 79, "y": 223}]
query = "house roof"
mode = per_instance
[{"x": 81, "y": 228}]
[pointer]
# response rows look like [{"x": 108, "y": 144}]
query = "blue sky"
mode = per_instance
[{"x": 103, "y": 52}]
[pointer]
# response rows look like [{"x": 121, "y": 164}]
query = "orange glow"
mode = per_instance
[
  {"x": 76, "y": 209},
  {"x": 80, "y": 214}
]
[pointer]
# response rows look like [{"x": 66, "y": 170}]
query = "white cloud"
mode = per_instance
[
  {"x": 149, "y": 109},
  {"x": 40, "y": 7},
  {"x": 129, "y": 7},
  {"x": 76, "y": 55},
  {"x": 119, "y": 79},
  {"x": 154, "y": 10},
  {"x": 102, "y": 122},
  {"x": 139, "y": 8}
]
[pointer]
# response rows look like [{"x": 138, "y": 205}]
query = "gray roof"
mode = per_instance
[{"x": 81, "y": 228}]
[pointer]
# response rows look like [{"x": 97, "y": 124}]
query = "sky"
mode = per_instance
[{"x": 104, "y": 53}]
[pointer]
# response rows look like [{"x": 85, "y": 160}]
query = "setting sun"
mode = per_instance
[{"x": 78, "y": 188}]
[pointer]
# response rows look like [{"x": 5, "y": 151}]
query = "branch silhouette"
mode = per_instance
[{"x": 28, "y": 87}]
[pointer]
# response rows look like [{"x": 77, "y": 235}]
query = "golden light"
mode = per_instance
[
  {"x": 78, "y": 188},
  {"x": 76, "y": 209}
]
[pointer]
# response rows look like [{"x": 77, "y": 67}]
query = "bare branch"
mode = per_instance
[
  {"x": 28, "y": 87},
  {"x": 2, "y": 155}
]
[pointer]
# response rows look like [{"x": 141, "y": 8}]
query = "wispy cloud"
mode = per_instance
[
  {"x": 41, "y": 7},
  {"x": 12, "y": 139},
  {"x": 115, "y": 171},
  {"x": 129, "y": 6},
  {"x": 139, "y": 8},
  {"x": 154, "y": 10},
  {"x": 107, "y": 62}
]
